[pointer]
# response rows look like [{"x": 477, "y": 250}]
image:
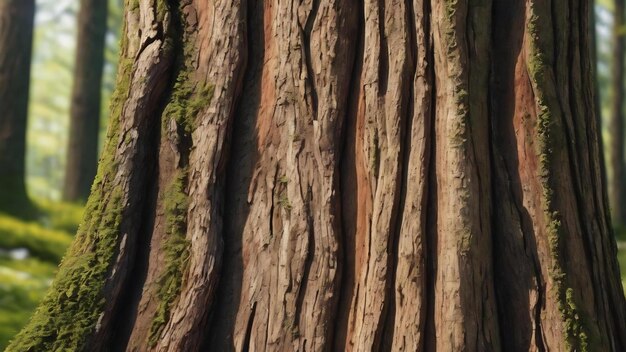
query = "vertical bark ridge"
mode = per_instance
[
  {"x": 579, "y": 153},
  {"x": 565, "y": 303},
  {"x": 243, "y": 156},
  {"x": 166, "y": 261},
  {"x": 564, "y": 30},
  {"x": 331, "y": 50},
  {"x": 75, "y": 313},
  {"x": 464, "y": 313},
  {"x": 407, "y": 323},
  {"x": 518, "y": 275},
  {"x": 290, "y": 249},
  {"x": 595, "y": 225},
  {"x": 352, "y": 175},
  {"x": 270, "y": 278},
  {"x": 478, "y": 41},
  {"x": 383, "y": 106},
  {"x": 217, "y": 65}
]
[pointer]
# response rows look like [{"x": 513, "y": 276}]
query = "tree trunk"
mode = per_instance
[
  {"x": 618, "y": 186},
  {"x": 16, "y": 38},
  {"x": 82, "y": 151},
  {"x": 338, "y": 175}
]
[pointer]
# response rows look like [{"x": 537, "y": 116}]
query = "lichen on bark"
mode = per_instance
[{"x": 549, "y": 142}]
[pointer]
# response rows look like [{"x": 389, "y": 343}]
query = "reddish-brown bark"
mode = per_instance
[{"x": 343, "y": 175}]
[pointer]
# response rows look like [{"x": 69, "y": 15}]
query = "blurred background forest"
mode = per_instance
[{"x": 31, "y": 245}]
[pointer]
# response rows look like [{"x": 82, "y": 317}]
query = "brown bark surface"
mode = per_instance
[
  {"x": 16, "y": 38},
  {"x": 350, "y": 176},
  {"x": 82, "y": 151}
]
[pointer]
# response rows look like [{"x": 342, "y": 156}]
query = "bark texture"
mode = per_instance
[
  {"x": 16, "y": 37},
  {"x": 82, "y": 151},
  {"x": 344, "y": 175}
]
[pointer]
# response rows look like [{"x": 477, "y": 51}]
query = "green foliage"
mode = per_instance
[
  {"x": 60, "y": 215},
  {"x": 24, "y": 282},
  {"x": 47, "y": 244},
  {"x": 22, "y": 285}
]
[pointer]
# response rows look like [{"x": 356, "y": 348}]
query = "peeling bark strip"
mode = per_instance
[{"x": 343, "y": 175}]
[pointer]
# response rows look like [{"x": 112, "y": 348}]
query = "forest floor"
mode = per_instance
[{"x": 30, "y": 253}]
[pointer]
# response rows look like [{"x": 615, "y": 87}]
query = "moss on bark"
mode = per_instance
[
  {"x": 187, "y": 100},
  {"x": 548, "y": 141},
  {"x": 176, "y": 249}
]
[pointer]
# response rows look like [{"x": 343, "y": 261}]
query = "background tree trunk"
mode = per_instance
[
  {"x": 16, "y": 39},
  {"x": 82, "y": 151},
  {"x": 337, "y": 175},
  {"x": 618, "y": 189}
]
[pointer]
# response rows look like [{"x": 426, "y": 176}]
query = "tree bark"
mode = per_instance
[
  {"x": 16, "y": 38},
  {"x": 82, "y": 151},
  {"x": 344, "y": 175},
  {"x": 618, "y": 188}
]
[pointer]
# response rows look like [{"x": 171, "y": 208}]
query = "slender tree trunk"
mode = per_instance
[
  {"x": 82, "y": 152},
  {"x": 16, "y": 38},
  {"x": 618, "y": 181},
  {"x": 344, "y": 175},
  {"x": 596, "y": 85}
]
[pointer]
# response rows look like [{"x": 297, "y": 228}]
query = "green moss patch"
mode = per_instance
[
  {"x": 176, "y": 248},
  {"x": 187, "y": 100},
  {"x": 538, "y": 65}
]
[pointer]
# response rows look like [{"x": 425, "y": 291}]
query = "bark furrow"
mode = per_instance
[{"x": 403, "y": 175}]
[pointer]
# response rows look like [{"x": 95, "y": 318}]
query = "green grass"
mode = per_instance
[
  {"x": 48, "y": 237},
  {"x": 41, "y": 242},
  {"x": 61, "y": 216},
  {"x": 24, "y": 282}
]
